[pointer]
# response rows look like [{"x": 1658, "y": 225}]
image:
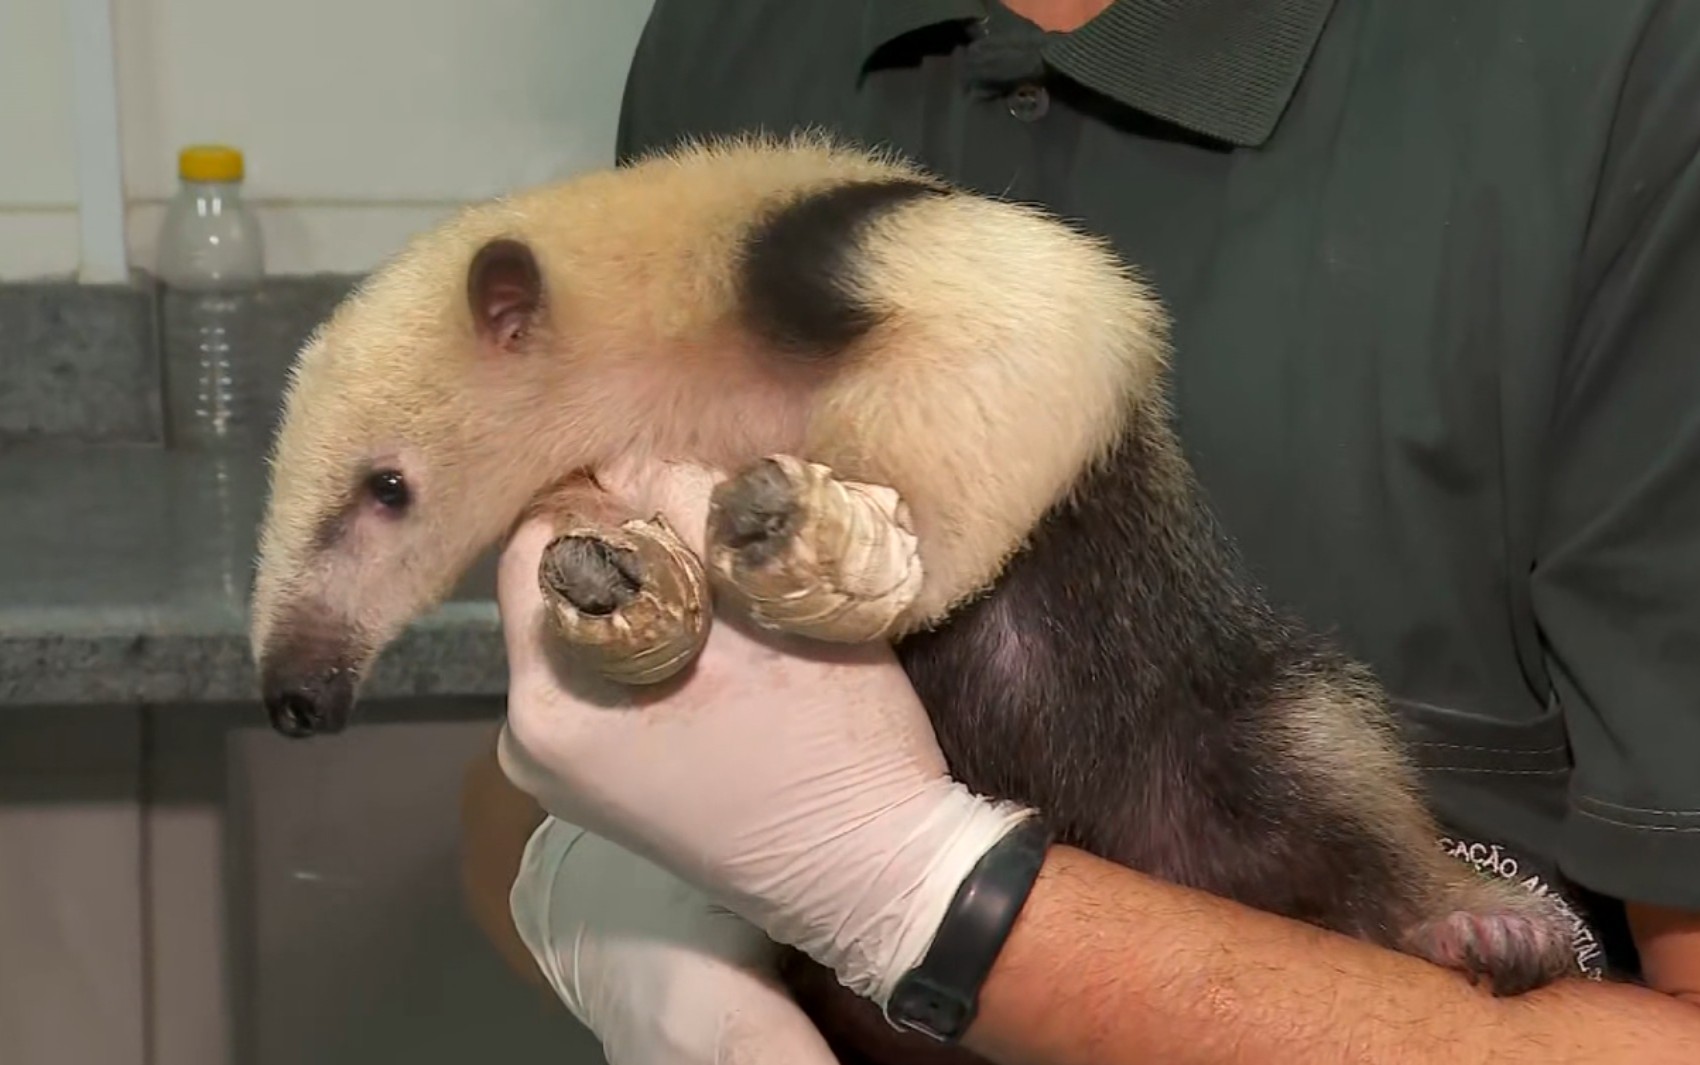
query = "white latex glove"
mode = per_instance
[
  {"x": 799, "y": 784},
  {"x": 658, "y": 973}
]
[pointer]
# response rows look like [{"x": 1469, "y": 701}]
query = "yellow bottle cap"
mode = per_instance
[{"x": 209, "y": 162}]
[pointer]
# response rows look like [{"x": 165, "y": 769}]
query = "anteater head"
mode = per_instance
[
  {"x": 518, "y": 345},
  {"x": 409, "y": 443}
]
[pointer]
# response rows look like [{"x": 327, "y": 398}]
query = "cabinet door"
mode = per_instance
[
  {"x": 358, "y": 947},
  {"x": 71, "y": 939}
]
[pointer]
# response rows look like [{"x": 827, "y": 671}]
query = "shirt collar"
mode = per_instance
[{"x": 1226, "y": 69}]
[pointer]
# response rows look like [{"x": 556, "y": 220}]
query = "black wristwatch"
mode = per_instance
[{"x": 940, "y": 996}]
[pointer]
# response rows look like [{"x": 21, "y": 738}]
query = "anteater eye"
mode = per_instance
[{"x": 389, "y": 489}]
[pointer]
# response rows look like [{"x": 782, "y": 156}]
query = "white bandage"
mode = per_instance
[{"x": 849, "y": 571}]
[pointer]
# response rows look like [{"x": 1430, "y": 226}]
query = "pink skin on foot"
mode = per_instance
[{"x": 1516, "y": 952}]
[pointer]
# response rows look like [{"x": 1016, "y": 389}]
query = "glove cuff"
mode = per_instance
[{"x": 908, "y": 891}]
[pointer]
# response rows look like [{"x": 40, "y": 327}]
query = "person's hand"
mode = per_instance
[
  {"x": 658, "y": 973},
  {"x": 798, "y": 784}
]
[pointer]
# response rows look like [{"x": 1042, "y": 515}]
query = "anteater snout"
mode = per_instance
[{"x": 309, "y": 703}]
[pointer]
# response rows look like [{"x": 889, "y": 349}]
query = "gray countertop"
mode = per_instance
[{"x": 124, "y": 573}]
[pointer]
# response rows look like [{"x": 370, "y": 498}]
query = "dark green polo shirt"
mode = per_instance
[{"x": 1433, "y": 267}]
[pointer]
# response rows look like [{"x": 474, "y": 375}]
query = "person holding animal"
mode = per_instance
[{"x": 1453, "y": 338}]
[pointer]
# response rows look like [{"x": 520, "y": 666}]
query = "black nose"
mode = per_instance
[{"x": 309, "y": 706}]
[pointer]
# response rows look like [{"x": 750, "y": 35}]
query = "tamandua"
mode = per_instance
[{"x": 946, "y": 423}]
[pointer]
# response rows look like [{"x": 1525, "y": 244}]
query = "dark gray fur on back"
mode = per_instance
[
  {"x": 1127, "y": 644},
  {"x": 1120, "y": 678}
]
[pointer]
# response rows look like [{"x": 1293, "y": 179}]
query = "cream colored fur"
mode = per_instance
[{"x": 1012, "y": 351}]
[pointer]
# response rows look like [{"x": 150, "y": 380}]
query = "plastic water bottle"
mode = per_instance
[{"x": 218, "y": 394}]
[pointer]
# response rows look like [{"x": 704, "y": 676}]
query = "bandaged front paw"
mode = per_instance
[
  {"x": 631, "y": 600},
  {"x": 809, "y": 554}
]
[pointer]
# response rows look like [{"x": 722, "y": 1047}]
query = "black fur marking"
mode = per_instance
[
  {"x": 329, "y": 530},
  {"x": 798, "y": 275},
  {"x": 755, "y": 513},
  {"x": 334, "y": 523},
  {"x": 594, "y": 576}
]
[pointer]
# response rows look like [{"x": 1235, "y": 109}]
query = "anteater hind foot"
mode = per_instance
[
  {"x": 812, "y": 555},
  {"x": 631, "y": 599},
  {"x": 1511, "y": 939}
]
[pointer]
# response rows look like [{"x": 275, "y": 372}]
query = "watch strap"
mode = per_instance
[{"x": 941, "y": 995}]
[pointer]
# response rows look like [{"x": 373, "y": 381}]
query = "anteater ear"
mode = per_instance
[{"x": 505, "y": 289}]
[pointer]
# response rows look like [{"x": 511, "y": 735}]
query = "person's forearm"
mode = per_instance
[
  {"x": 497, "y": 820},
  {"x": 1106, "y": 966}
]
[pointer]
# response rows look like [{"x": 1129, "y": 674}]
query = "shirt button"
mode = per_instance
[{"x": 1029, "y": 102}]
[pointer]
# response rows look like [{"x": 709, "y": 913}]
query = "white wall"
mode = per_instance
[
  {"x": 355, "y": 137},
  {"x": 38, "y": 166}
]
